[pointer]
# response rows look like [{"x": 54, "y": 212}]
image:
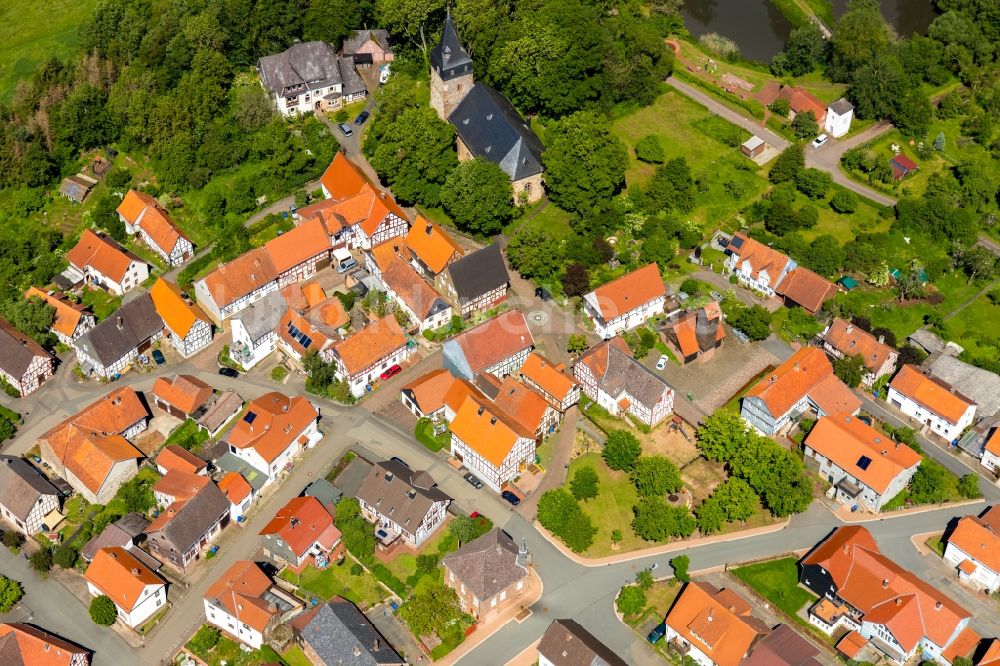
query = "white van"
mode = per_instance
[{"x": 343, "y": 260}]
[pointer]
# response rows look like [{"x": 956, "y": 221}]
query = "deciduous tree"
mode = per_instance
[
  {"x": 478, "y": 197},
  {"x": 584, "y": 484},
  {"x": 585, "y": 163},
  {"x": 103, "y": 611},
  {"x": 534, "y": 253},
  {"x": 655, "y": 476},
  {"x": 10, "y": 593},
  {"x": 631, "y": 600},
  {"x": 622, "y": 450},
  {"x": 680, "y": 566}
]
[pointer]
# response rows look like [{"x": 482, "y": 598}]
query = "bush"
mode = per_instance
[
  {"x": 648, "y": 149},
  {"x": 278, "y": 373},
  {"x": 622, "y": 450},
  {"x": 65, "y": 556},
  {"x": 13, "y": 540},
  {"x": 631, "y": 600},
  {"x": 10, "y": 593},
  {"x": 104, "y": 613},
  {"x": 691, "y": 287},
  {"x": 204, "y": 640},
  {"x": 844, "y": 202},
  {"x": 584, "y": 483},
  {"x": 41, "y": 561},
  {"x": 968, "y": 486},
  {"x": 560, "y": 513},
  {"x": 680, "y": 566},
  {"x": 356, "y": 569},
  {"x": 386, "y": 577}
]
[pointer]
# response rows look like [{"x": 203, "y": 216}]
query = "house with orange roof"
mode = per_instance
[
  {"x": 430, "y": 248},
  {"x": 190, "y": 523},
  {"x": 365, "y": 355},
  {"x": 273, "y": 432},
  {"x": 24, "y": 365},
  {"x": 931, "y": 401},
  {"x": 91, "y": 448},
  {"x": 626, "y": 302},
  {"x": 239, "y": 492},
  {"x": 407, "y": 288},
  {"x": 174, "y": 457},
  {"x": 181, "y": 395},
  {"x": 696, "y": 334},
  {"x": 25, "y": 645},
  {"x": 424, "y": 396},
  {"x": 843, "y": 339},
  {"x": 300, "y": 530},
  {"x": 526, "y": 407},
  {"x": 298, "y": 335},
  {"x": 235, "y": 286},
  {"x": 801, "y": 100},
  {"x": 188, "y": 327},
  {"x": 756, "y": 265},
  {"x": 712, "y": 627},
  {"x": 144, "y": 216},
  {"x": 550, "y": 381},
  {"x": 990, "y": 458},
  {"x": 71, "y": 320},
  {"x": 105, "y": 264},
  {"x": 178, "y": 486},
  {"x": 864, "y": 467},
  {"x": 341, "y": 180},
  {"x": 498, "y": 346},
  {"x": 494, "y": 447},
  {"x": 245, "y": 604},
  {"x": 806, "y": 289},
  {"x": 297, "y": 254},
  {"x": 892, "y": 609},
  {"x": 609, "y": 375},
  {"x": 991, "y": 653},
  {"x": 803, "y": 383},
  {"x": 973, "y": 549},
  {"x": 136, "y": 591}
]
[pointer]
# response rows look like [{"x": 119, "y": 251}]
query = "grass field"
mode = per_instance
[
  {"x": 611, "y": 509},
  {"x": 778, "y": 582},
  {"x": 33, "y": 32},
  {"x": 294, "y": 656},
  {"x": 967, "y": 329},
  {"x": 337, "y": 580}
]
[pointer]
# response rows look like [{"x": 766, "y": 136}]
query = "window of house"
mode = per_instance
[
  {"x": 493, "y": 602},
  {"x": 520, "y": 584}
]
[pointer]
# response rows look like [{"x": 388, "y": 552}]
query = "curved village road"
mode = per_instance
[
  {"x": 570, "y": 589},
  {"x": 826, "y": 158}
]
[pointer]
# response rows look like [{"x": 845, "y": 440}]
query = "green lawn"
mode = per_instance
[
  {"x": 611, "y": 509},
  {"x": 294, "y": 656},
  {"x": 424, "y": 433},
  {"x": 187, "y": 435},
  {"x": 230, "y": 653},
  {"x": 101, "y": 303},
  {"x": 337, "y": 581},
  {"x": 778, "y": 582},
  {"x": 34, "y": 32},
  {"x": 686, "y": 129},
  {"x": 936, "y": 545},
  {"x": 967, "y": 329}
]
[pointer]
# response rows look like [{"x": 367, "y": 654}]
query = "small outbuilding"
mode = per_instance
[
  {"x": 902, "y": 166},
  {"x": 76, "y": 188},
  {"x": 753, "y": 147}
]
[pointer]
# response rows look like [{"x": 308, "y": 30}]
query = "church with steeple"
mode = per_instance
[{"x": 486, "y": 124}]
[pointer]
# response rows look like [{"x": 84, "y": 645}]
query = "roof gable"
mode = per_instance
[
  {"x": 629, "y": 292},
  {"x": 494, "y": 340},
  {"x": 930, "y": 392},
  {"x": 120, "y": 575},
  {"x": 271, "y": 424},
  {"x": 370, "y": 345},
  {"x": 449, "y": 57},
  {"x": 491, "y": 128},
  {"x": 478, "y": 273},
  {"x": 102, "y": 254}
]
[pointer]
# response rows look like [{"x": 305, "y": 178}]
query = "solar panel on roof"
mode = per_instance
[
  {"x": 250, "y": 416},
  {"x": 864, "y": 461},
  {"x": 736, "y": 242},
  {"x": 305, "y": 342},
  {"x": 294, "y": 332}
]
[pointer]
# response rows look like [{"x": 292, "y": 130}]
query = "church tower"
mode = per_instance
[{"x": 451, "y": 72}]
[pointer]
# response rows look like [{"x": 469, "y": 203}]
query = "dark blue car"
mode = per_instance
[{"x": 658, "y": 632}]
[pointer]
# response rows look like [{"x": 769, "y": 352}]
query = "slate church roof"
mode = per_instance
[
  {"x": 449, "y": 57},
  {"x": 490, "y": 127}
]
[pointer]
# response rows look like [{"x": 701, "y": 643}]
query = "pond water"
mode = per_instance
[{"x": 760, "y": 30}]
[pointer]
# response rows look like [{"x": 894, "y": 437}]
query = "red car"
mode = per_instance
[{"x": 391, "y": 372}]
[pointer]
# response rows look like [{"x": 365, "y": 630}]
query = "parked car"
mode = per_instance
[
  {"x": 228, "y": 372},
  {"x": 510, "y": 497},
  {"x": 391, "y": 372},
  {"x": 362, "y": 117},
  {"x": 473, "y": 480},
  {"x": 716, "y": 296},
  {"x": 158, "y": 357},
  {"x": 658, "y": 632},
  {"x": 345, "y": 129},
  {"x": 662, "y": 363},
  {"x": 543, "y": 293},
  {"x": 820, "y": 140},
  {"x": 346, "y": 264}
]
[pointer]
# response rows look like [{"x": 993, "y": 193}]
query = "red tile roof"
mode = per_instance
[
  {"x": 102, "y": 254},
  {"x": 979, "y": 538},
  {"x": 235, "y": 487},
  {"x": 174, "y": 457},
  {"x": 342, "y": 179},
  {"x": 120, "y": 575},
  {"x": 429, "y": 389},
  {"x": 963, "y": 645},
  {"x": 486, "y": 430},
  {"x": 240, "y": 592},
  {"x": 851, "y": 340},
  {"x": 630, "y": 291},
  {"x": 807, "y": 372},
  {"x": 184, "y": 392},
  {"x": 158, "y": 226},
  {"x": 180, "y": 486},
  {"x": 300, "y": 524},
  {"x": 370, "y": 345},
  {"x": 549, "y": 377},
  {"x": 67, "y": 316},
  {"x": 35, "y": 647},
  {"x": 760, "y": 256},
  {"x": 304, "y": 242},
  {"x": 521, "y": 404},
  {"x": 241, "y": 276},
  {"x": 931, "y": 393},
  {"x": 494, "y": 340},
  {"x": 844, "y": 439},
  {"x": 885, "y": 592},
  {"x": 278, "y": 420},
  {"x": 801, "y": 101},
  {"x": 432, "y": 245},
  {"x": 177, "y": 313},
  {"x": 717, "y": 622},
  {"x": 851, "y": 644},
  {"x": 805, "y": 288}
]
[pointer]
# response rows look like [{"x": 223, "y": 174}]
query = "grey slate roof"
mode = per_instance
[
  {"x": 193, "y": 519},
  {"x": 926, "y": 340},
  {"x": 449, "y": 57},
  {"x": 982, "y": 386},
  {"x": 841, "y": 106},
  {"x": 490, "y": 127},
  {"x": 324, "y": 491},
  {"x": 402, "y": 494},
  {"x": 17, "y": 350},
  {"x": 339, "y": 633},
  {"x": 783, "y": 647},
  {"x": 567, "y": 643},
  {"x": 625, "y": 374},
  {"x": 352, "y": 81},
  {"x": 478, "y": 273},
  {"x": 111, "y": 536},
  {"x": 263, "y": 316},
  {"x": 355, "y": 41},
  {"x": 133, "y": 323},
  {"x": 303, "y": 66},
  {"x": 132, "y": 524},
  {"x": 221, "y": 408},
  {"x": 21, "y": 486},
  {"x": 487, "y": 565}
]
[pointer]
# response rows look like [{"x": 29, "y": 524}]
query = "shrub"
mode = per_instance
[
  {"x": 386, "y": 577},
  {"x": 560, "y": 513},
  {"x": 844, "y": 202},
  {"x": 41, "y": 561},
  {"x": 103, "y": 611},
  {"x": 719, "y": 45},
  {"x": 648, "y": 149},
  {"x": 204, "y": 640},
  {"x": 65, "y": 556},
  {"x": 680, "y": 566},
  {"x": 356, "y": 569},
  {"x": 631, "y": 600},
  {"x": 622, "y": 450},
  {"x": 968, "y": 486},
  {"x": 584, "y": 483},
  {"x": 13, "y": 540},
  {"x": 10, "y": 593},
  {"x": 691, "y": 287}
]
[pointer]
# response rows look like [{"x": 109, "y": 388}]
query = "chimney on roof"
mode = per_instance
[
  {"x": 479, "y": 412},
  {"x": 885, "y": 583},
  {"x": 850, "y": 327},
  {"x": 881, "y": 339},
  {"x": 493, "y": 420},
  {"x": 796, "y": 366},
  {"x": 357, "y": 650},
  {"x": 899, "y": 601},
  {"x": 732, "y": 609},
  {"x": 429, "y": 229},
  {"x": 120, "y": 323},
  {"x": 938, "y": 606},
  {"x": 134, "y": 571},
  {"x": 375, "y": 645},
  {"x": 711, "y": 614}
]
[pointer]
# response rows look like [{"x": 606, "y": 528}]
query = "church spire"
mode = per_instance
[{"x": 449, "y": 58}]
